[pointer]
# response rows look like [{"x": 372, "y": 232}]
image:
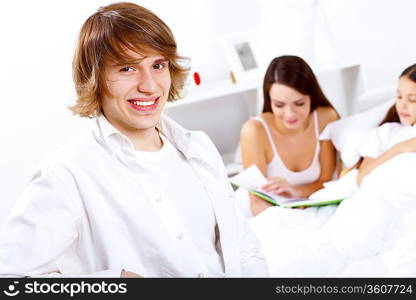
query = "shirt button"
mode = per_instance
[
  {"x": 201, "y": 275},
  {"x": 180, "y": 236}
]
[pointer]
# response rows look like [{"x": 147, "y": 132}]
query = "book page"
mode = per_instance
[{"x": 250, "y": 178}]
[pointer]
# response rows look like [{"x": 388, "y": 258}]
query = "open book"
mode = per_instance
[{"x": 252, "y": 179}]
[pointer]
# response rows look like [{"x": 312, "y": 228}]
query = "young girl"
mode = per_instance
[
  {"x": 392, "y": 137},
  {"x": 283, "y": 140}
]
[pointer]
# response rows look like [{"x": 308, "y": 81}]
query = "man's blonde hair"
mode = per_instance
[{"x": 107, "y": 35}]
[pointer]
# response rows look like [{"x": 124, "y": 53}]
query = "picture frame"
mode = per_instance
[{"x": 244, "y": 57}]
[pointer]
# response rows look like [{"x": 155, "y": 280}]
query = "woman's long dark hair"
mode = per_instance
[
  {"x": 293, "y": 72},
  {"x": 392, "y": 115}
]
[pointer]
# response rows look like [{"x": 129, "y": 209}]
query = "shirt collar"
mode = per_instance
[
  {"x": 111, "y": 138},
  {"x": 178, "y": 135},
  {"x": 191, "y": 143}
]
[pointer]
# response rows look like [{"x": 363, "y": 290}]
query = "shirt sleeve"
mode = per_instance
[
  {"x": 253, "y": 262},
  {"x": 40, "y": 229},
  {"x": 374, "y": 145}
]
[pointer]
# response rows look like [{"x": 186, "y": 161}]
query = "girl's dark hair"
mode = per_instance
[
  {"x": 392, "y": 116},
  {"x": 293, "y": 72}
]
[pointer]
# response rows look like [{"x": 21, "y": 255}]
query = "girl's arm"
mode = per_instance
[
  {"x": 253, "y": 151},
  {"x": 370, "y": 163}
]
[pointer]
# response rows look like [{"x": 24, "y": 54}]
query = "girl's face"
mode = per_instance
[
  {"x": 289, "y": 106},
  {"x": 406, "y": 101}
]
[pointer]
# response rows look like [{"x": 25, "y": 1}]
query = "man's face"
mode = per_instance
[{"x": 138, "y": 92}]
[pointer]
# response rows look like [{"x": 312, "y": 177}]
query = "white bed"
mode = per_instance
[{"x": 371, "y": 233}]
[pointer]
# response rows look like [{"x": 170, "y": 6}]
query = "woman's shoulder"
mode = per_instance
[
  {"x": 251, "y": 126},
  {"x": 254, "y": 126},
  {"x": 326, "y": 115}
]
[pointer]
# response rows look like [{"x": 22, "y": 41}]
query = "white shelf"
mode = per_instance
[
  {"x": 226, "y": 87},
  {"x": 213, "y": 90}
]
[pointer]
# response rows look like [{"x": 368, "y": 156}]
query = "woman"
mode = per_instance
[{"x": 283, "y": 140}]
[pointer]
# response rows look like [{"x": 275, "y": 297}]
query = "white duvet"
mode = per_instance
[{"x": 372, "y": 233}]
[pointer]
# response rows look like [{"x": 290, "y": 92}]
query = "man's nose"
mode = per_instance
[{"x": 146, "y": 82}]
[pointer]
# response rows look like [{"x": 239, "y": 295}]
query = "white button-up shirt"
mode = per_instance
[{"x": 85, "y": 213}]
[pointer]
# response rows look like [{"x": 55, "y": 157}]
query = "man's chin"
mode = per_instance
[{"x": 147, "y": 123}]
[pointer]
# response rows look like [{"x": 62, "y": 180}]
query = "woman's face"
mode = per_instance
[
  {"x": 406, "y": 101},
  {"x": 289, "y": 106}
]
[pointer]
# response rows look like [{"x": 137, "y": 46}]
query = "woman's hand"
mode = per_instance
[{"x": 280, "y": 186}]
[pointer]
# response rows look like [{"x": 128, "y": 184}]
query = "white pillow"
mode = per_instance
[{"x": 348, "y": 133}]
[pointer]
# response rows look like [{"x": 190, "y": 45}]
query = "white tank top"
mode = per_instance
[{"x": 276, "y": 166}]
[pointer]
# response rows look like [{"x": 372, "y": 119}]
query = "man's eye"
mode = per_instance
[
  {"x": 159, "y": 66},
  {"x": 127, "y": 69}
]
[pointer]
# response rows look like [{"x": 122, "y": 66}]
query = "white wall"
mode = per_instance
[
  {"x": 379, "y": 33},
  {"x": 38, "y": 38}
]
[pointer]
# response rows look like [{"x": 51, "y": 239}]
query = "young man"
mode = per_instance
[{"x": 139, "y": 195}]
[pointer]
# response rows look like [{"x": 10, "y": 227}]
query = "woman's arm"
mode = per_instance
[
  {"x": 253, "y": 151},
  {"x": 370, "y": 163}
]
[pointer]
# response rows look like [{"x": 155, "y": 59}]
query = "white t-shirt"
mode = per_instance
[
  {"x": 169, "y": 179},
  {"x": 384, "y": 137}
]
